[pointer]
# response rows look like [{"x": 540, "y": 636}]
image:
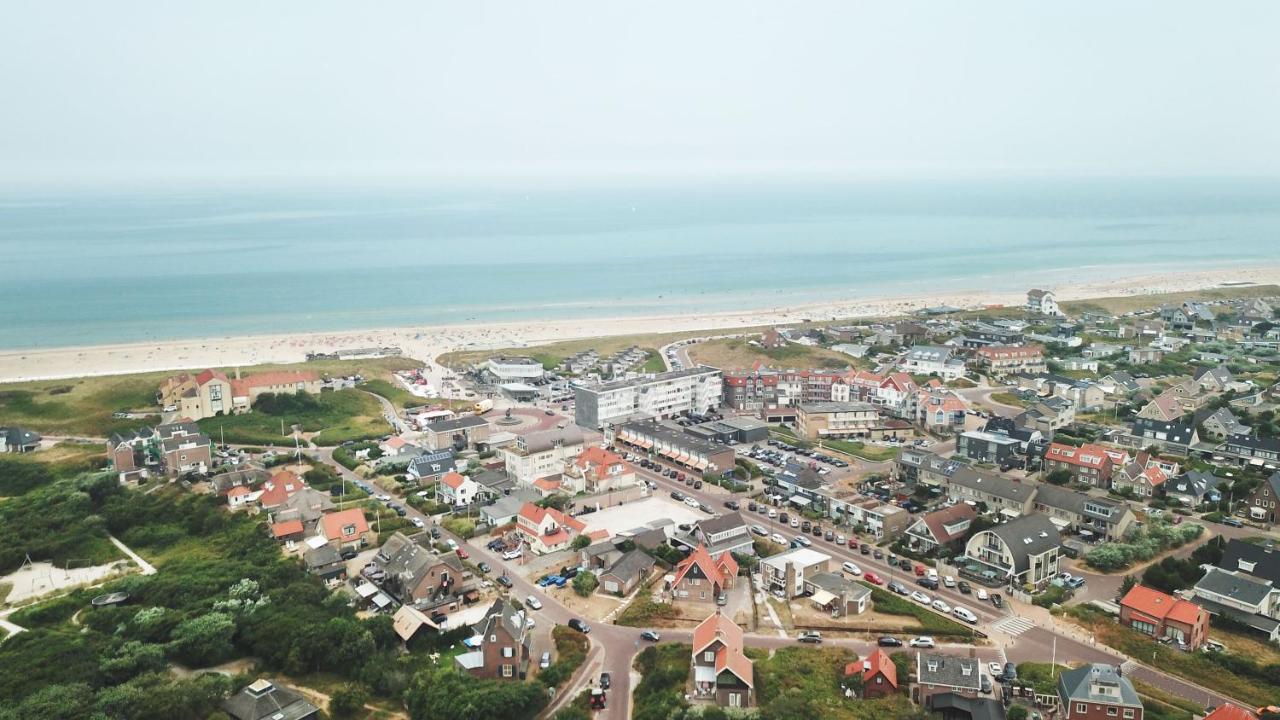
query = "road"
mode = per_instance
[{"x": 981, "y": 395}]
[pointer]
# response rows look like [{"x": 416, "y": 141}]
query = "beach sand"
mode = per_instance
[{"x": 427, "y": 343}]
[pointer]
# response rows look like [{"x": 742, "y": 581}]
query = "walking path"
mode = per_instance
[{"x": 147, "y": 568}]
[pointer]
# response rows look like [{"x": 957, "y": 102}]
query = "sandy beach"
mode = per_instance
[{"x": 427, "y": 343}]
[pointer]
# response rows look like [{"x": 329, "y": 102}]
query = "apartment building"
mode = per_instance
[
  {"x": 833, "y": 420},
  {"x": 210, "y": 392},
  {"x": 1000, "y": 360},
  {"x": 543, "y": 453},
  {"x": 664, "y": 395}
]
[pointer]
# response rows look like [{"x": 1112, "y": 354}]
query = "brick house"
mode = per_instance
[
  {"x": 346, "y": 528},
  {"x": 504, "y": 645},
  {"x": 879, "y": 675},
  {"x": 1154, "y": 613},
  {"x": 1088, "y": 463},
  {"x": 720, "y": 671},
  {"x": 1097, "y": 692},
  {"x": 701, "y": 578}
]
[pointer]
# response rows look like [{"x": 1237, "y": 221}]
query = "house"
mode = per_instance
[
  {"x": 506, "y": 507},
  {"x": 287, "y": 531},
  {"x": 939, "y": 673},
  {"x": 1221, "y": 423},
  {"x": 279, "y": 488},
  {"x": 306, "y": 506},
  {"x": 941, "y": 527},
  {"x": 721, "y": 672},
  {"x": 1047, "y": 415},
  {"x": 997, "y": 492},
  {"x": 932, "y": 360},
  {"x": 504, "y": 639},
  {"x": 1096, "y": 691},
  {"x": 836, "y": 594},
  {"x": 456, "y": 433},
  {"x": 1165, "y": 407},
  {"x": 346, "y": 528},
  {"x": 431, "y": 466},
  {"x": 939, "y": 410},
  {"x": 418, "y": 575},
  {"x": 1072, "y": 510},
  {"x": 787, "y": 572},
  {"x": 772, "y": 339},
  {"x": 626, "y": 573},
  {"x": 325, "y": 562},
  {"x": 264, "y": 700},
  {"x": 597, "y": 470},
  {"x": 1239, "y": 591},
  {"x": 457, "y": 489},
  {"x": 395, "y": 446},
  {"x": 210, "y": 392},
  {"x": 879, "y": 675},
  {"x": 987, "y": 447},
  {"x": 700, "y": 577},
  {"x": 1023, "y": 551},
  {"x": 1228, "y": 711},
  {"x": 835, "y": 420},
  {"x": 1001, "y": 360},
  {"x": 132, "y": 452},
  {"x": 728, "y": 533},
  {"x": 183, "y": 448},
  {"x": 1140, "y": 479},
  {"x": 955, "y": 706},
  {"x": 544, "y": 453},
  {"x": 1173, "y": 437},
  {"x": 1255, "y": 451},
  {"x": 1119, "y": 382},
  {"x": 1262, "y": 501},
  {"x": 1087, "y": 464},
  {"x": 1162, "y": 616},
  {"x": 1193, "y": 488},
  {"x": 547, "y": 530},
  {"x": 1144, "y": 355},
  {"x": 18, "y": 440},
  {"x": 1042, "y": 302}
]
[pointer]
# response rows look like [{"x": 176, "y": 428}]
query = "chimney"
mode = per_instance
[{"x": 237, "y": 372}]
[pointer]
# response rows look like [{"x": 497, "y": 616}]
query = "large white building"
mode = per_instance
[
  {"x": 933, "y": 360},
  {"x": 660, "y": 396},
  {"x": 543, "y": 453},
  {"x": 514, "y": 369}
]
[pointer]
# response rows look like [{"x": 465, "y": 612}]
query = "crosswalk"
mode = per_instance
[
  {"x": 1013, "y": 625},
  {"x": 1127, "y": 667}
]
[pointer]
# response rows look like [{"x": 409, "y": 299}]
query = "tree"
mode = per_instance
[
  {"x": 348, "y": 700},
  {"x": 585, "y": 583},
  {"x": 1059, "y": 477},
  {"x": 133, "y": 658},
  {"x": 580, "y": 542},
  {"x": 1127, "y": 584},
  {"x": 1016, "y": 712},
  {"x": 204, "y": 640}
]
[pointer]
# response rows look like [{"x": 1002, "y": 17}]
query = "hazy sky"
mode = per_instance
[{"x": 120, "y": 90}]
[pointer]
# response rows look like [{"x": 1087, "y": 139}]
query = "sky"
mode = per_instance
[{"x": 127, "y": 91}]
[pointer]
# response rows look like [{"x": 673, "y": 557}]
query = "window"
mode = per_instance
[
  {"x": 1128, "y": 712},
  {"x": 506, "y": 671},
  {"x": 1081, "y": 708},
  {"x": 507, "y": 652},
  {"x": 735, "y": 700},
  {"x": 709, "y": 656},
  {"x": 1111, "y": 711}
]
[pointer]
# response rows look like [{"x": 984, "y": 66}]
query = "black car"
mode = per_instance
[
  {"x": 905, "y": 564},
  {"x": 677, "y": 495},
  {"x": 484, "y": 567},
  {"x": 697, "y": 484},
  {"x": 864, "y": 549},
  {"x": 751, "y": 506},
  {"x": 504, "y": 581},
  {"x": 928, "y": 582},
  {"x": 964, "y": 587},
  {"x": 732, "y": 504},
  {"x": 580, "y": 626},
  {"x": 806, "y": 526},
  {"x": 817, "y": 531},
  {"x": 888, "y": 641},
  {"x": 605, "y": 680},
  {"x": 1010, "y": 672},
  {"x": 348, "y": 554},
  {"x": 997, "y": 600},
  {"x": 878, "y": 555},
  {"x": 569, "y": 572}
]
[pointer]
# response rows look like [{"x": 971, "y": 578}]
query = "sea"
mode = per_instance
[{"x": 86, "y": 266}]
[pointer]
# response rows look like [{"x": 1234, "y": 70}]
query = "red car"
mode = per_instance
[
  {"x": 919, "y": 569},
  {"x": 873, "y": 578},
  {"x": 462, "y": 554},
  {"x": 853, "y": 543}
]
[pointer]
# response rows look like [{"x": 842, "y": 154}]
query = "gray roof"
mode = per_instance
[
  {"x": 722, "y": 523},
  {"x": 1027, "y": 536},
  {"x": 435, "y": 463},
  {"x": 406, "y": 561},
  {"x": 1079, "y": 503},
  {"x": 948, "y": 670},
  {"x": 322, "y": 556},
  {"x": 837, "y": 407},
  {"x": 494, "y": 480},
  {"x": 992, "y": 484},
  {"x": 178, "y": 428},
  {"x": 1175, "y": 432},
  {"x": 836, "y": 584},
  {"x": 19, "y": 437},
  {"x": 1078, "y": 684},
  {"x": 1237, "y": 586},
  {"x": 459, "y": 423},
  {"x": 543, "y": 440},
  {"x": 1265, "y": 560},
  {"x": 674, "y": 438},
  {"x": 264, "y": 699},
  {"x": 973, "y": 708},
  {"x": 647, "y": 380},
  {"x": 1193, "y": 483},
  {"x": 631, "y": 565}
]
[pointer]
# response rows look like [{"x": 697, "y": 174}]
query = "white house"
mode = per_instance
[
  {"x": 456, "y": 489},
  {"x": 1042, "y": 302},
  {"x": 932, "y": 360}
]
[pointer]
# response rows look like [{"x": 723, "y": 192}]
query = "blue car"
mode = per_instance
[
  {"x": 560, "y": 581},
  {"x": 551, "y": 580}
]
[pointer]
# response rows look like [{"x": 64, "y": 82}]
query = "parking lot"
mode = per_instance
[{"x": 643, "y": 512}]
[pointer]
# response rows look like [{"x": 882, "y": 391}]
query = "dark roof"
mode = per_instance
[
  {"x": 631, "y": 565},
  {"x": 1079, "y": 503},
  {"x": 459, "y": 423},
  {"x": 320, "y": 557},
  {"x": 1264, "y": 560},
  {"x": 1252, "y": 442},
  {"x": 1193, "y": 483},
  {"x": 1175, "y": 432},
  {"x": 975, "y": 708},
  {"x": 992, "y": 484},
  {"x": 433, "y": 463},
  {"x": 948, "y": 670},
  {"x": 1027, "y": 536},
  {"x": 1237, "y": 586},
  {"x": 722, "y": 523},
  {"x": 20, "y": 437},
  {"x": 1077, "y": 685},
  {"x": 264, "y": 699}
]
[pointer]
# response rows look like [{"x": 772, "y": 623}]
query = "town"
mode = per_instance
[{"x": 1048, "y": 511}]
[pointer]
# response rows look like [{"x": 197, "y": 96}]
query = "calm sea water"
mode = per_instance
[{"x": 85, "y": 267}]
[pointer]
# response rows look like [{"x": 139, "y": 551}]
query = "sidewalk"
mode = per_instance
[{"x": 147, "y": 568}]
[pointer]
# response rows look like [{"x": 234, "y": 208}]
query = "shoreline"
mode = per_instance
[{"x": 426, "y": 343}]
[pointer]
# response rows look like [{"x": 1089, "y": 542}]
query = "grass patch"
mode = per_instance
[
  {"x": 890, "y": 604},
  {"x": 1041, "y": 675},
  {"x": 729, "y": 353},
  {"x": 643, "y": 610},
  {"x": 660, "y": 692},
  {"x": 393, "y": 391},
  {"x": 1161, "y": 705},
  {"x": 335, "y": 416},
  {"x": 1008, "y": 398},
  {"x": 571, "y": 652},
  {"x": 1121, "y": 305},
  {"x": 874, "y": 453},
  {"x": 653, "y": 363}
]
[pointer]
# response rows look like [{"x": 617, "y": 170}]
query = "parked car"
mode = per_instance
[
  {"x": 605, "y": 680},
  {"x": 546, "y": 661},
  {"x": 776, "y": 538},
  {"x": 484, "y": 568},
  {"x": 997, "y": 600},
  {"x": 504, "y": 581},
  {"x": 731, "y": 504},
  {"x": 949, "y": 581},
  {"x": 580, "y": 626},
  {"x": 759, "y": 531},
  {"x": 1078, "y": 582},
  {"x": 982, "y": 594},
  {"x": 512, "y": 554},
  {"x": 650, "y": 635},
  {"x": 865, "y": 549},
  {"x": 888, "y": 641},
  {"x": 921, "y": 597},
  {"x": 810, "y": 636},
  {"x": 417, "y": 522},
  {"x": 941, "y": 606},
  {"x": 462, "y": 553},
  {"x": 851, "y": 568},
  {"x": 964, "y": 587},
  {"x": 873, "y": 578},
  {"x": 922, "y": 641},
  {"x": 1010, "y": 672},
  {"x": 533, "y": 602},
  {"x": 1232, "y": 522},
  {"x": 996, "y": 669},
  {"x": 965, "y": 614}
]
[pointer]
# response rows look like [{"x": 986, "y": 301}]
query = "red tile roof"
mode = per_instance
[
  {"x": 937, "y": 521},
  {"x": 286, "y": 528},
  {"x": 333, "y": 524},
  {"x": 879, "y": 662},
  {"x": 1230, "y": 712},
  {"x": 729, "y": 657},
  {"x": 453, "y": 479},
  {"x": 238, "y": 490},
  {"x": 1090, "y": 456},
  {"x": 702, "y": 559},
  {"x": 1161, "y": 606},
  {"x": 278, "y": 489},
  {"x": 243, "y": 386}
]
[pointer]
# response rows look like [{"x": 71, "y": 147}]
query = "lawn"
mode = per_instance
[
  {"x": 732, "y": 353},
  {"x": 83, "y": 406},
  {"x": 873, "y": 453},
  {"x": 805, "y": 682},
  {"x": 1008, "y": 398},
  {"x": 334, "y": 417},
  {"x": 643, "y": 610}
]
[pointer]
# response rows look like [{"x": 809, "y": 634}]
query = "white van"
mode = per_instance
[
  {"x": 851, "y": 568},
  {"x": 965, "y": 614}
]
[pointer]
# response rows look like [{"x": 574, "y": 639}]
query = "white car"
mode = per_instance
[
  {"x": 921, "y": 598},
  {"x": 851, "y": 568},
  {"x": 512, "y": 554},
  {"x": 773, "y": 513},
  {"x": 949, "y": 581},
  {"x": 795, "y": 522},
  {"x": 453, "y": 544},
  {"x": 384, "y": 498},
  {"x": 924, "y": 641},
  {"x": 533, "y": 602},
  {"x": 996, "y": 669},
  {"x": 417, "y": 522},
  {"x": 965, "y": 614},
  {"x": 941, "y": 606},
  {"x": 776, "y": 538},
  {"x": 982, "y": 594},
  {"x": 691, "y": 502}
]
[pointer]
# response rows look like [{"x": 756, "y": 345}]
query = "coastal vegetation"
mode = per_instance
[
  {"x": 1144, "y": 544},
  {"x": 330, "y": 418},
  {"x": 1131, "y": 303},
  {"x": 738, "y": 352}
]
